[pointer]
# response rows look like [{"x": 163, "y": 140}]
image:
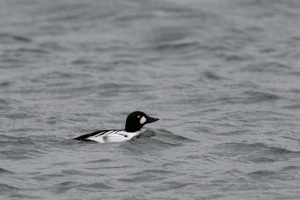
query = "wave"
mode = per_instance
[{"x": 255, "y": 152}]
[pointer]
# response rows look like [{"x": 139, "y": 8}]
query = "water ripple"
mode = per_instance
[
  {"x": 5, "y": 171},
  {"x": 8, "y": 38},
  {"x": 256, "y": 152}
]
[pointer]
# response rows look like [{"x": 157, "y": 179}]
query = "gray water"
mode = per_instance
[{"x": 222, "y": 76}]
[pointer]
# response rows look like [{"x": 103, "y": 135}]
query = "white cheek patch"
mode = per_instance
[{"x": 143, "y": 120}]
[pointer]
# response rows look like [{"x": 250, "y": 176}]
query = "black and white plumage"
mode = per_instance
[{"x": 134, "y": 122}]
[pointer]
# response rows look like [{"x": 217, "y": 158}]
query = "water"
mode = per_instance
[{"x": 223, "y": 77}]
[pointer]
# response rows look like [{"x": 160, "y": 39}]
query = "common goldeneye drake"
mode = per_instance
[{"x": 134, "y": 122}]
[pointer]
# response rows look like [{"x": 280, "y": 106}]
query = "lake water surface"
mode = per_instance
[{"x": 222, "y": 76}]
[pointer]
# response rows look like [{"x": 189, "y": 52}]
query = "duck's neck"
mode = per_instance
[{"x": 132, "y": 129}]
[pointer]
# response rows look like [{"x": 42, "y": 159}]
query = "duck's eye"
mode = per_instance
[{"x": 139, "y": 116}]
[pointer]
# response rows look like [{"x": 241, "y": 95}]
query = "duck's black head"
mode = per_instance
[{"x": 136, "y": 120}]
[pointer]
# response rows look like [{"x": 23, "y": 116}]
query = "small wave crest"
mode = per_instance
[{"x": 255, "y": 152}]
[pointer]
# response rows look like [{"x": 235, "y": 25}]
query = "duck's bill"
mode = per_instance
[{"x": 151, "y": 119}]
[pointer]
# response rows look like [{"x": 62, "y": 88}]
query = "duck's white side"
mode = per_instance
[{"x": 113, "y": 136}]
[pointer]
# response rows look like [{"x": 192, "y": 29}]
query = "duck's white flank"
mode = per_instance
[{"x": 114, "y": 136}]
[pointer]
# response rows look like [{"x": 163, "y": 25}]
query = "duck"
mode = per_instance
[{"x": 133, "y": 127}]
